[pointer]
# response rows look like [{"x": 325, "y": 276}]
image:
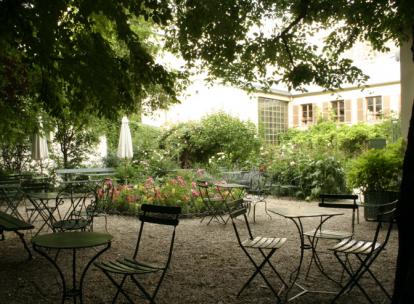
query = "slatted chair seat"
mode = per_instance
[
  {"x": 355, "y": 247},
  {"x": 330, "y": 234},
  {"x": 264, "y": 243},
  {"x": 129, "y": 266}
]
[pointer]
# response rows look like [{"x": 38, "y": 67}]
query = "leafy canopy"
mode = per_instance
[{"x": 269, "y": 42}]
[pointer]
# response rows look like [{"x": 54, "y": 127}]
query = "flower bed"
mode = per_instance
[{"x": 172, "y": 190}]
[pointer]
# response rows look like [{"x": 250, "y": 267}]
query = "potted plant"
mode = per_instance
[{"x": 377, "y": 173}]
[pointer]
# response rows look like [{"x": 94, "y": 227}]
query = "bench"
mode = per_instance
[
  {"x": 97, "y": 174},
  {"x": 11, "y": 223}
]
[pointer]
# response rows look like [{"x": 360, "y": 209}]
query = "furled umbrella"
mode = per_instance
[
  {"x": 125, "y": 142},
  {"x": 39, "y": 148}
]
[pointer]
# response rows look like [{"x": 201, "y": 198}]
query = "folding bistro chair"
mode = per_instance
[
  {"x": 11, "y": 196},
  {"x": 258, "y": 243},
  {"x": 79, "y": 215},
  {"x": 257, "y": 192},
  {"x": 213, "y": 203},
  {"x": 342, "y": 201},
  {"x": 365, "y": 252},
  {"x": 134, "y": 268}
]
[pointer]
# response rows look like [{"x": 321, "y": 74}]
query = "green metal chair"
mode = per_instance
[
  {"x": 80, "y": 213},
  {"x": 257, "y": 192},
  {"x": 135, "y": 268},
  {"x": 365, "y": 252},
  {"x": 255, "y": 243},
  {"x": 214, "y": 204}
]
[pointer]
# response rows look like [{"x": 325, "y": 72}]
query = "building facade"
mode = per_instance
[{"x": 276, "y": 111}]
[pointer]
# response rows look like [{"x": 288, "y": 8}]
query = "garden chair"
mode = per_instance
[
  {"x": 342, "y": 201},
  {"x": 135, "y": 268},
  {"x": 213, "y": 203},
  {"x": 257, "y": 192},
  {"x": 365, "y": 252},
  {"x": 11, "y": 196},
  {"x": 255, "y": 243},
  {"x": 81, "y": 211}
]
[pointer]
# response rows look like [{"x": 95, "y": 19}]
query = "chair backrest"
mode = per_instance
[
  {"x": 385, "y": 217},
  {"x": 205, "y": 190},
  {"x": 238, "y": 209},
  {"x": 160, "y": 215},
  {"x": 83, "y": 202},
  {"x": 344, "y": 201},
  {"x": 258, "y": 182}
]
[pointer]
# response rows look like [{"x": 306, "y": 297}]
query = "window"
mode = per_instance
[
  {"x": 374, "y": 108},
  {"x": 307, "y": 115},
  {"x": 273, "y": 118},
  {"x": 338, "y": 110}
]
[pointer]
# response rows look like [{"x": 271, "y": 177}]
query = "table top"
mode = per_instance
[
  {"x": 229, "y": 185},
  {"x": 53, "y": 195},
  {"x": 72, "y": 240},
  {"x": 302, "y": 213}
]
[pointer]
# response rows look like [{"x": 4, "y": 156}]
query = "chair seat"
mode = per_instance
[
  {"x": 329, "y": 234},
  {"x": 128, "y": 267},
  {"x": 264, "y": 243},
  {"x": 355, "y": 246},
  {"x": 76, "y": 224}
]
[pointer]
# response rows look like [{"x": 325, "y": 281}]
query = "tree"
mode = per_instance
[
  {"x": 76, "y": 135},
  {"x": 91, "y": 49}
]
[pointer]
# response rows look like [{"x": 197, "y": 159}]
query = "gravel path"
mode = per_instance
[{"x": 207, "y": 265}]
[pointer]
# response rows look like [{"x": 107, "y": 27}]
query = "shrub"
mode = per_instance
[
  {"x": 214, "y": 136},
  {"x": 378, "y": 170}
]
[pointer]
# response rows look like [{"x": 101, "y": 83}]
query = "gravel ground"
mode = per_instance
[{"x": 207, "y": 264}]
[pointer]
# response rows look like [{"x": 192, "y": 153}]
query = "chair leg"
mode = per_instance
[
  {"x": 274, "y": 269},
  {"x": 119, "y": 287},
  {"x": 259, "y": 271},
  {"x": 353, "y": 279},
  {"x": 366, "y": 269}
]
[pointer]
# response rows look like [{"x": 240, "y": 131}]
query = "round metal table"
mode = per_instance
[{"x": 71, "y": 241}]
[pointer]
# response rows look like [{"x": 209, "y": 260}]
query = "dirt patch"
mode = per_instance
[{"x": 207, "y": 264}]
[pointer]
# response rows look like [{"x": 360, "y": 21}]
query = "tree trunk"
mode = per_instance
[{"x": 404, "y": 277}]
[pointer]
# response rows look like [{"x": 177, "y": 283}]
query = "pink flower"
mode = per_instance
[
  {"x": 195, "y": 193},
  {"x": 200, "y": 172},
  {"x": 181, "y": 181},
  {"x": 149, "y": 182},
  {"x": 158, "y": 194}
]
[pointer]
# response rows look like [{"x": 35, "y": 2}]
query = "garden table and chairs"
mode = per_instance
[{"x": 71, "y": 241}]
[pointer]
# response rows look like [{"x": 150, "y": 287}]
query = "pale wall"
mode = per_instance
[{"x": 200, "y": 100}]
